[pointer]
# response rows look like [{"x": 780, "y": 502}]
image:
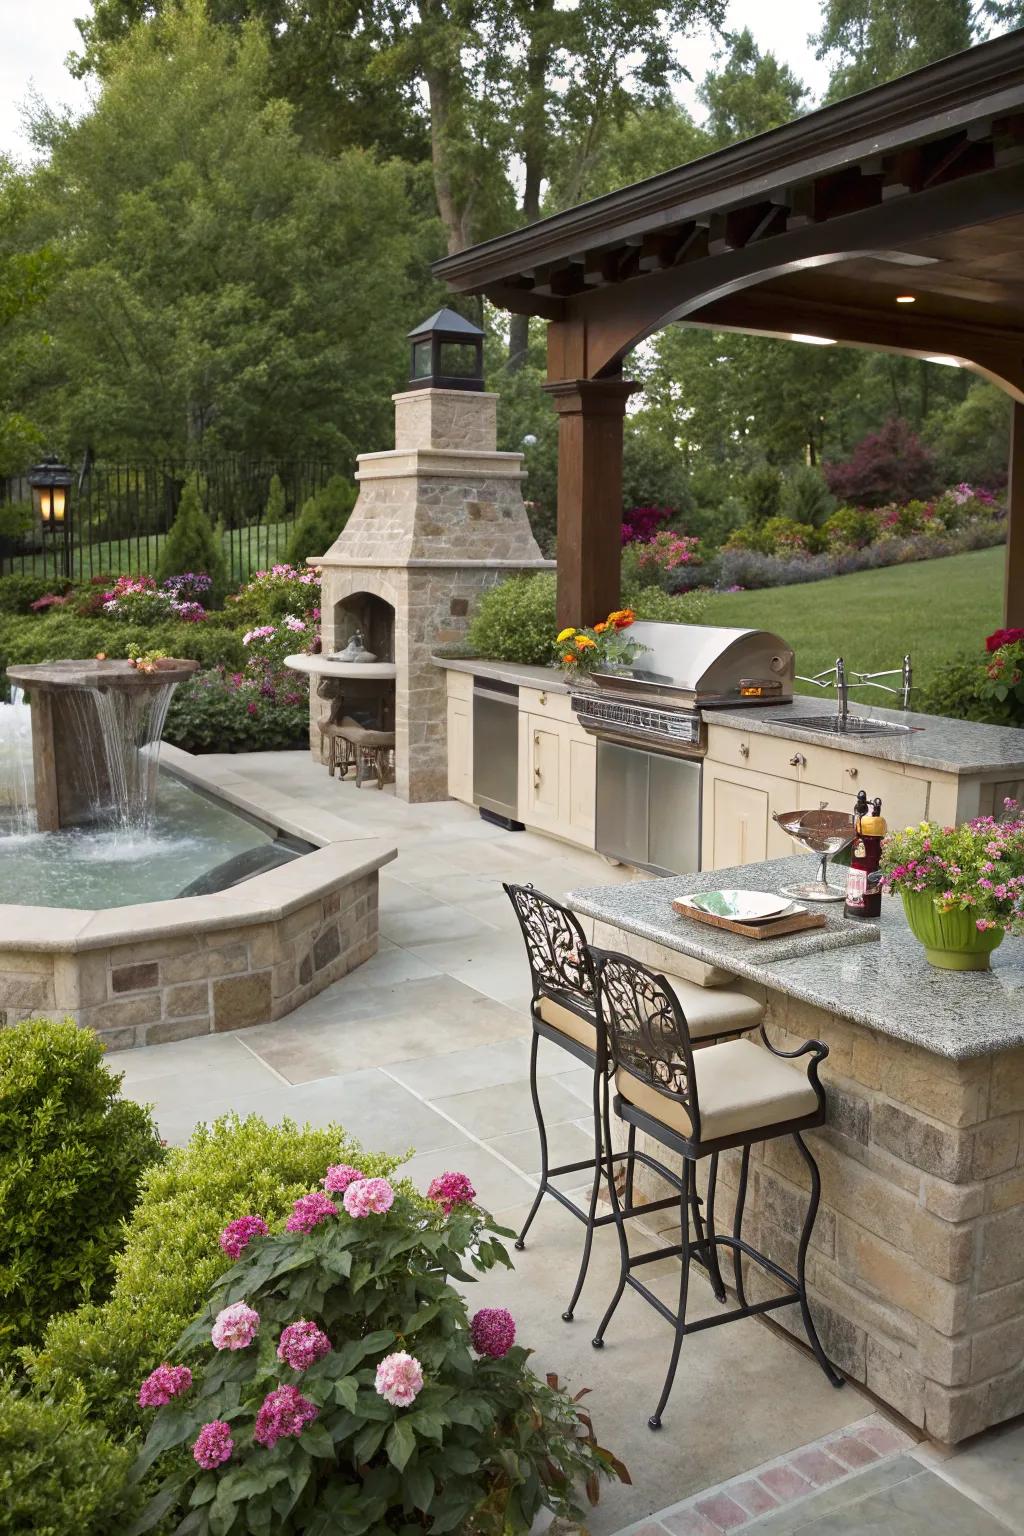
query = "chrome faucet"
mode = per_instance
[
  {"x": 824, "y": 679},
  {"x": 905, "y": 673}
]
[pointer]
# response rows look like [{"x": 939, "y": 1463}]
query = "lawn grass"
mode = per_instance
[
  {"x": 935, "y": 609},
  {"x": 245, "y": 550}
]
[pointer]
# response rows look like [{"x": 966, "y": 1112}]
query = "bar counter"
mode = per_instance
[{"x": 917, "y": 1260}]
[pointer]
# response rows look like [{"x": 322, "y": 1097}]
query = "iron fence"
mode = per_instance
[{"x": 120, "y": 514}]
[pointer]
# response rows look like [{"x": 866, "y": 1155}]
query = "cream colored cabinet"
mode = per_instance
[
  {"x": 737, "y": 824},
  {"x": 460, "y": 736},
  {"x": 557, "y": 777}
]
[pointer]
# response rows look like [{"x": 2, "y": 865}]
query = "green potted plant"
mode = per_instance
[
  {"x": 962, "y": 887},
  {"x": 337, "y": 1385}
]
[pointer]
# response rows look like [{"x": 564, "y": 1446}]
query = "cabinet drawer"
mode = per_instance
[
  {"x": 460, "y": 686},
  {"x": 782, "y": 757},
  {"x": 548, "y": 706}
]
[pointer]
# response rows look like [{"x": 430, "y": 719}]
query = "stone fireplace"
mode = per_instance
[{"x": 439, "y": 519}]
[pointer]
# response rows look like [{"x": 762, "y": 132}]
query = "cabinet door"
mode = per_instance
[
  {"x": 739, "y": 830},
  {"x": 460, "y": 750},
  {"x": 580, "y": 780},
  {"x": 542, "y": 797}
]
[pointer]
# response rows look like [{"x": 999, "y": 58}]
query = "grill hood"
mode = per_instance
[{"x": 696, "y": 665}]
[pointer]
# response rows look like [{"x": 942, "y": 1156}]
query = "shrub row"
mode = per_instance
[{"x": 61, "y": 634}]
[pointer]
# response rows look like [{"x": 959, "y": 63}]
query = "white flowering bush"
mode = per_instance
[{"x": 336, "y": 1382}]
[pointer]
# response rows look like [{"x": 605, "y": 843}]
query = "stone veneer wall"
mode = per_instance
[
  {"x": 149, "y": 991},
  {"x": 916, "y": 1265}
]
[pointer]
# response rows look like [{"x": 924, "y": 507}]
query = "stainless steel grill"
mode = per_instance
[{"x": 622, "y": 718}]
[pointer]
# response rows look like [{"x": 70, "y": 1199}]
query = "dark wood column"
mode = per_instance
[
  {"x": 590, "y": 413},
  {"x": 1014, "y": 602}
]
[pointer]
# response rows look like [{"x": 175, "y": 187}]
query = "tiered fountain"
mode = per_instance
[{"x": 96, "y": 729}]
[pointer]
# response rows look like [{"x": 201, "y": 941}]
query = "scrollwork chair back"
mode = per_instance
[
  {"x": 556, "y": 947},
  {"x": 645, "y": 1029}
]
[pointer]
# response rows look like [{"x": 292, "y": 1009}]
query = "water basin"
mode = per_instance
[{"x": 853, "y": 725}]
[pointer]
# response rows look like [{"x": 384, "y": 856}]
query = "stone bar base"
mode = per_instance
[{"x": 916, "y": 1266}]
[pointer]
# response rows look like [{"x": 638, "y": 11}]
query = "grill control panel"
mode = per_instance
[{"x": 679, "y": 727}]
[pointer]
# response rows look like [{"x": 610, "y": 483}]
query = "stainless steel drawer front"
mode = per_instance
[
  {"x": 648, "y": 808},
  {"x": 496, "y": 748}
]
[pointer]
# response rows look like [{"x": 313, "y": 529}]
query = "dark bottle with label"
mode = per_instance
[{"x": 863, "y": 882}]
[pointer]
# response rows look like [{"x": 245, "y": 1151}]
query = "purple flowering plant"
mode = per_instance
[{"x": 338, "y": 1383}]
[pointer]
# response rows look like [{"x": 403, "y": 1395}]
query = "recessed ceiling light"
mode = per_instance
[
  {"x": 813, "y": 341},
  {"x": 946, "y": 362},
  {"x": 906, "y": 298}
]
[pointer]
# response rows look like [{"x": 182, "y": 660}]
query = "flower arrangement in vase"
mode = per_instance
[
  {"x": 599, "y": 647},
  {"x": 962, "y": 887}
]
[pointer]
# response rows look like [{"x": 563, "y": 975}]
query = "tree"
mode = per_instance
[
  {"x": 890, "y": 465},
  {"x": 322, "y": 518},
  {"x": 192, "y": 545},
  {"x": 27, "y": 273},
  {"x": 750, "y": 93},
  {"x": 224, "y": 286},
  {"x": 871, "y": 41}
]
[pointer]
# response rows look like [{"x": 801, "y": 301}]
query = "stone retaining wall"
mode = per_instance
[{"x": 145, "y": 992}]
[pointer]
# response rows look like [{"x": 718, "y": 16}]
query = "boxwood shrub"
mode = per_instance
[
  {"x": 72, "y": 1153},
  {"x": 59, "y": 1474},
  {"x": 209, "y": 713},
  {"x": 171, "y": 1256}
]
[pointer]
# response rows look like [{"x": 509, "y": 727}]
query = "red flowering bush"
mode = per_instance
[
  {"x": 1000, "y": 637},
  {"x": 640, "y": 524},
  {"x": 891, "y": 465},
  {"x": 338, "y": 1385}
]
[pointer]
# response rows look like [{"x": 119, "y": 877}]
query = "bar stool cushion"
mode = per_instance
[
  {"x": 708, "y": 1011},
  {"x": 740, "y": 1088}
]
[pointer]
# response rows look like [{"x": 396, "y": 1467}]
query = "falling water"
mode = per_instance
[
  {"x": 118, "y": 754},
  {"x": 17, "y": 794}
]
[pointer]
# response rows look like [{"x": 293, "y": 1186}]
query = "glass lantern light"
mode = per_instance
[
  {"x": 447, "y": 353},
  {"x": 50, "y": 481}
]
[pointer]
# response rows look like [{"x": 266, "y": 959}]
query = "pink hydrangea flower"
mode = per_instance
[
  {"x": 283, "y": 1412},
  {"x": 309, "y": 1211},
  {"x": 239, "y": 1233},
  {"x": 399, "y": 1379},
  {"x": 450, "y": 1190},
  {"x": 369, "y": 1197},
  {"x": 493, "y": 1331},
  {"x": 302, "y": 1344},
  {"x": 235, "y": 1327},
  {"x": 339, "y": 1176},
  {"x": 161, "y": 1385},
  {"x": 214, "y": 1445}
]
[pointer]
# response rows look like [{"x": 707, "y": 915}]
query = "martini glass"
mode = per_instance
[{"x": 823, "y": 833}]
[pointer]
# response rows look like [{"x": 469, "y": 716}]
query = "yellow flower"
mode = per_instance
[
  {"x": 584, "y": 643},
  {"x": 566, "y": 634}
]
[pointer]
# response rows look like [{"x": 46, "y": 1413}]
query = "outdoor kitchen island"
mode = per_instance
[{"x": 916, "y": 1266}]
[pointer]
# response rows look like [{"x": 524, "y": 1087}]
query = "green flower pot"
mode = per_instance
[{"x": 952, "y": 941}]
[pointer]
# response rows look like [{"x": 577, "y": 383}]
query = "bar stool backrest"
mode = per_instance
[
  {"x": 556, "y": 948},
  {"x": 645, "y": 1029}
]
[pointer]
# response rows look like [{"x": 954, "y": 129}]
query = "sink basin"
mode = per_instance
[{"x": 854, "y": 725}]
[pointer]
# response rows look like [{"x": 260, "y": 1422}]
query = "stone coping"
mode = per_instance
[
  {"x": 453, "y": 463},
  {"x": 886, "y": 986},
  {"x": 547, "y": 679},
  {"x": 372, "y": 563},
  {"x": 343, "y": 853},
  {"x": 58, "y": 676}
]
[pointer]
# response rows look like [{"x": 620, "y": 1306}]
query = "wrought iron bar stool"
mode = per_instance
[
  {"x": 698, "y": 1104},
  {"x": 564, "y": 1011}
]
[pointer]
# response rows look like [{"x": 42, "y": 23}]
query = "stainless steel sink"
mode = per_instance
[{"x": 853, "y": 725}]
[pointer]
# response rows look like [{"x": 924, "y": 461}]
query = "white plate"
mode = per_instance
[{"x": 741, "y": 906}]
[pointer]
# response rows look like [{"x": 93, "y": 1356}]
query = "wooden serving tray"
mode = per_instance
[{"x": 774, "y": 928}]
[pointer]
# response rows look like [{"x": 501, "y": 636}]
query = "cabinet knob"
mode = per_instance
[
  {"x": 537, "y": 776},
  {"x": 852, "y": 772},
  {"x": 536, "y": 738},
  {"x": 543, "y": 698},
  {"x": 744, "y": 749},
  {"x": 798, "y": 760}
]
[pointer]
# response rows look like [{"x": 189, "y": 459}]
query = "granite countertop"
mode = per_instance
[
  {"x": 874, "y": 975},
  {"x": 546, "y": 678},
  {"x": 950, "y": 746}
]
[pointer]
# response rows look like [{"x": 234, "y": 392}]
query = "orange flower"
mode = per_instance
[
  {"x": 599, "y": 629},
  {"x": 569, "y": 659},
  {"x": 584, "y": 643},
  {"x": 623, "y": 618}
]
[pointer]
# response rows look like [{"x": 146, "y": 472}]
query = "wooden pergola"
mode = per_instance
[{"x": 914, "y": 189}]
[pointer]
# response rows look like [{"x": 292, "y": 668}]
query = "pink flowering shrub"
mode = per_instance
[
  {"x": 235, "y": 1327},
  {"x": 403, "y": 1403},
  {"x": 449, "y": 1190},
  {"x": 399, "y": 1379},
  {"x": 976, "y": 868},
  {"x": 239, "y": 1233},
  {"x": 369, "y": 1197},
  {"x": 161, "y": 1385}
]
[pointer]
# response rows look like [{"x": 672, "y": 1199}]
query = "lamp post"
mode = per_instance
[
  {"x": 51, "y": 483},
  {"x": 447, "y": 353}
]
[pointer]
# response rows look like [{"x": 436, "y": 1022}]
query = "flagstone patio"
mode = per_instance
[{"x": 424, "y": 1050}]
